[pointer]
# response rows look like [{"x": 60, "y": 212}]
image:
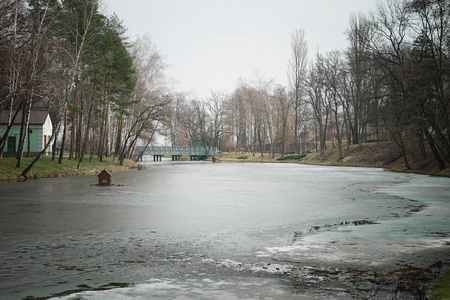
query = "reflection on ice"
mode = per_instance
[
  {"x": 193, "y": 288},
  {"x": 231, "y": 231}
]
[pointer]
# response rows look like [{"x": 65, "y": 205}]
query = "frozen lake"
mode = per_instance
[{"x": 225, "y": 231}]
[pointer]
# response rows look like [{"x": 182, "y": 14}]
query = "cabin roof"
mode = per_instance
[
  {"x": 37, "y": 117},
  {"x": 104, "y": 172}
]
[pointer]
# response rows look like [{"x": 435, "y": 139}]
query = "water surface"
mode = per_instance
[{"x": 227, "y": 230}]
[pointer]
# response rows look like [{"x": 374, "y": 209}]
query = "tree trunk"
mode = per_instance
[
  {"x": 296, "y": 144},
  {"x": 63, "y": 142},
  {"x": 139, "y": 156},
  {"x": 434, "y": 150},
  {"x": 23, "y": 133},
  {"x": 338, "y": 134},
  {"x": 28, "y": 169},
  {"x": 4, "y": 139},
  {"x": 119, "y": 138},
  {"x": 254, "y": 139},
  {"x": 80, "y": 126},
  {"x": 28, "y": 142},
  {"x": 86, "y": 135},
  {"x": 260, "y": 142},
  {"x": 73, "y": 129},
  {"x": 421, "y": 143},
  {"x": 108, "y": 129},
  {"x": 102, "y": 128},
  {"x": 55, "y": 143},
  {"x": 402, "y": 147}
]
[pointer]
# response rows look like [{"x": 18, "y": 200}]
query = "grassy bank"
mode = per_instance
[
  {"x": 46, "y": 168},
  {"x": 441, "y": 288},
  {"x": 246, "y": 157},
  {"x": 249, "y": 157},
  {"x": 380, "y": 155}
]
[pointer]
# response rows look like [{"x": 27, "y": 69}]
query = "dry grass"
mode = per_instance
[
  {"x": 240, "y": 157},
  {"x": 382, "y": 155},
  {"x": 441, "y": 288},
  {"x": 369, "y": 155}
]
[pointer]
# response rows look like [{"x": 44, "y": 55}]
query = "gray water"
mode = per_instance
[{"x": 224, "y": 231}]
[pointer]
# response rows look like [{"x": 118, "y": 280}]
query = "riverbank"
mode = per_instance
[
  {"x": 46, "y": 168},
  {"x": 376, "y": 155}
]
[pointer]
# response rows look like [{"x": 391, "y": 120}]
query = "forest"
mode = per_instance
[{"x": 109, "y": 96}]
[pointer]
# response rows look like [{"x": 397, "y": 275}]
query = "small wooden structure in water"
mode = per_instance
[{"x": 104, "y": 178}]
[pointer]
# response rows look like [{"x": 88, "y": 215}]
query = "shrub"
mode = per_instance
[
  {"x": 242, "y": 157},
  {"x": 441, "y": 288},
  {"x": 292, "y": 156}
]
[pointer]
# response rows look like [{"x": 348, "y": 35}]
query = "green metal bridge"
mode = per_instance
[{"x": 195, "y": 152}]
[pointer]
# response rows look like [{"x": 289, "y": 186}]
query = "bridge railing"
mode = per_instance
[{"x": 167, "y": 150}]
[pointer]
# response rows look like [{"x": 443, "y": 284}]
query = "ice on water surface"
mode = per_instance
[{"x": 230, "y": 231}]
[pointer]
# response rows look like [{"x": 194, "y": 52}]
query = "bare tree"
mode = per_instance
[
  {"x": 333, "y": 70},
  {"x": 145, "y": 123},
  {"x": 202, "y": 119},
  {"x": 13, "y": 79},
  {"x": 241, "y": 116},
  {"x": 174, "y": 127},
  {"x": 256, "y": 124},
  {"x": 37, "y": 20},
  {"x": 389, "y": 46},
  {"x": 283, "y": 111},
  {"x": 216, "y": 105},
  {"x": 431, "y": 56},
  {"x": 358, "y": 56},
  {"x": 297, "y": 74},
  {"x": 266, "y": 101},
  {"x": 319, "y": 99},
  {"x": 139, "y": 118}
]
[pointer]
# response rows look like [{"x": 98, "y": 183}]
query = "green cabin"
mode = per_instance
[{"x": 39, "y": 132}]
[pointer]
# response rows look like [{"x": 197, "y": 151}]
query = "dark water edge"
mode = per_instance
[{"x": 409, "y": 283}]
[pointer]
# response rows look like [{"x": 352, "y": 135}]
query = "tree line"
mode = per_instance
[
  {"x": 390, "y": 82},
  {"x": 108, "y": 95},
  {"x": 104, "y": 94}
]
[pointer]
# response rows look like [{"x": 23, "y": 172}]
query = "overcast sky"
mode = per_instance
[{"x": 210, "y": 44}]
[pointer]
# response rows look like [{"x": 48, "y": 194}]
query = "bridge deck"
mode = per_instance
[{"x": 165, "y": 150}]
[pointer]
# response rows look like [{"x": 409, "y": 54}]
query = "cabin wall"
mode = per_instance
[{"x": 36, "y": 138}]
